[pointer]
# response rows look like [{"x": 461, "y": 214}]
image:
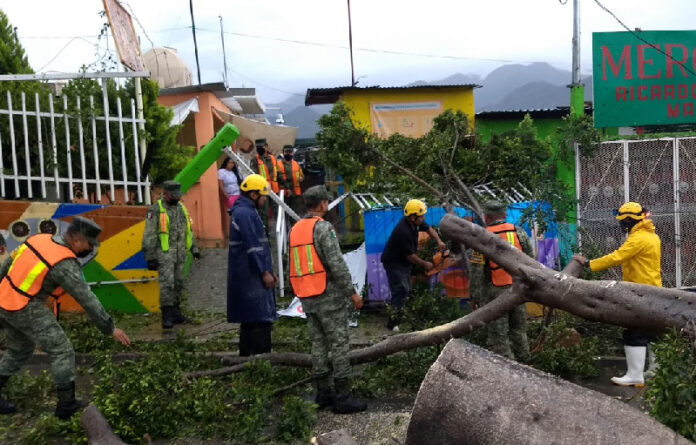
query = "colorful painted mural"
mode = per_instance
[{"x": 118, "y": 274}]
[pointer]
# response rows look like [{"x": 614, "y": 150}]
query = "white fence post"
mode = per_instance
[
  {"x": 54, "y": 146},
  {"x": 68, "y": 147},
  {"x": 677, "y": 215},
  {"x": 27, "y": 160}
]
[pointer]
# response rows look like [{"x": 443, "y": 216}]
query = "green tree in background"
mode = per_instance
[
  {"x": 13, "y": 60},
  {"x": 514, "y": 159}
]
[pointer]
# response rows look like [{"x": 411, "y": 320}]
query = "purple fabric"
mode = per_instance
[
  {"x": 547, "y": 253},
  {"x": 377, "y": 279}
]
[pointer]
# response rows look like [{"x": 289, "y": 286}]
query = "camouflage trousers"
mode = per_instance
[
  {"x": 171, "y": 277},
  {"x": 36, "y": 325},
  {"x": 507, "y": 335},
  {"x": 328, "y": 331}
]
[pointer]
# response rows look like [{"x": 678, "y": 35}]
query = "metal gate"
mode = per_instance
[
  {"x": 659, "y": 174},
  {"x": 61, "y": 149}
]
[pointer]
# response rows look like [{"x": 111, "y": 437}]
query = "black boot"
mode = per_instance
[
  {"x": 246, "y": 339},
  {"x": 167, "y": 317},
  {"x": 67, "y": 404},
  {"x": 5, "y": 406},
  {"x": 261, "y": 338},
  {"x": 325, "y": 395},
  {"x": 178, "y": 317},
  {"x": 343, "y": 402}
]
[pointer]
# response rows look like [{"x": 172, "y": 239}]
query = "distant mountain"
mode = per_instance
[
  {"x": 455, "y": 79},
  {"x": 537, "y": 95},
  {"x": 305, "y": 118},
  {"x": 500, "y": 82}
]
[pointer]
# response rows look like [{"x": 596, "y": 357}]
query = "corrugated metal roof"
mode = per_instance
[
  {"x": 318, "y": 96},
  {"x": 533, "y": 112}
]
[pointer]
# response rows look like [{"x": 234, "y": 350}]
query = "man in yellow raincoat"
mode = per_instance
[{"x": 639, "y": 258}]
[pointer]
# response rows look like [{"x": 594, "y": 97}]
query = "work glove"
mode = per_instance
[{"x": 152, "y": 264}]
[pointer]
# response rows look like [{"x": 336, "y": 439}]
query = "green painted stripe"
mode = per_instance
[{"x": 112, "y": 296}]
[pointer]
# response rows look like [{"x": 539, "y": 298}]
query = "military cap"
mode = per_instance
[
  {"x": 287, "y": 148},
  {"x": 494, "y": 207},
  {"x": 86, "y": 227},
  {"x": 314, "y": 195},
  {"x": 173, "y": 188},
  {"x": 260, "y": 142}
]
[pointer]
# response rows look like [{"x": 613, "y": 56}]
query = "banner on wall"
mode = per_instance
[{"x": 409, "y": 119}]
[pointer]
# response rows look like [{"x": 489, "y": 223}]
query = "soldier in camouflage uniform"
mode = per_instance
[
  {"x": 507, "y": 335},
  {"x": 167, "y": 239},
  {"x": 325, "y": 286},
  {"x": 28, "y": 321}
]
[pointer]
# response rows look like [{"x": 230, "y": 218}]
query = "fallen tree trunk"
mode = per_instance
[
  {"x": 472, "y": 396},
  {"x": 97, "y": 428},
  {"x": 630, "y": 305},
  {"x": 396, "y": 343}
]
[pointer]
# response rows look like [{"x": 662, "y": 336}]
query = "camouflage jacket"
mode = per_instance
[
  {"x": 479, "y": 273},
  {"x": 177, "y": 231},
  {"x": 339, "y": 284},
  {"x": 68, "y": 275}
]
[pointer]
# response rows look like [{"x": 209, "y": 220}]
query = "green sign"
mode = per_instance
[{"x": 644, "y": 82}]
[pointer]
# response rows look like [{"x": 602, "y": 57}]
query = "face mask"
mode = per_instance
[
  {"x": 261, "y": 150},
  {"x": 84, "y": 253},
  {"x": 627, "y": 224},
  {"x": 288, "y": 157},
  {"x": 172, "y": 201}
]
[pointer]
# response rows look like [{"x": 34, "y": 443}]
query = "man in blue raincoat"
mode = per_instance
[{"x": 250, "y": 279}]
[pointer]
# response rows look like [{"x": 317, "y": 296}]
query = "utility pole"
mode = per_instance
[
  {"x": 224, "y": 54},
  {"x": 350, "y": 45},
  {"x": 195, "y": 43},
  {"x": 577, "y": 89}
]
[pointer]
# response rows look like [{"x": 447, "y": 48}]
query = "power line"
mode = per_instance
[
  {"x": 264, "y": 85},
  {"x": 637, "y": 36},
  {"x": 372, "y": 50}
]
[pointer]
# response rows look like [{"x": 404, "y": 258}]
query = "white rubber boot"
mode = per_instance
[
  {"x": 652, "y": 364},
  {"x": 635, "y": 361}
]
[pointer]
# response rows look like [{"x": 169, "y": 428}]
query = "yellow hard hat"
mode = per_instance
[
  {"x": 415, "y": 207},
  {"x": 255, "y": 183},
  {"x": 631, "y": 210}
]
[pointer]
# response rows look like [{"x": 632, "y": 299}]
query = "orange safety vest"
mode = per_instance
[
  {"x": 506, "y": 231},
  {"x": 307, "y": 274},
  {"x": 296, "y": 175},
  {"x": 31, "y": 262},
  {"x": 263, "y": 171}
]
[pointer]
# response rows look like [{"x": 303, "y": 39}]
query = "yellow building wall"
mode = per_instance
[{"x": 455, "y": 98}]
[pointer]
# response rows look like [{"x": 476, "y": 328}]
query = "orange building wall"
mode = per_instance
[{"x": 202, "y": 200}]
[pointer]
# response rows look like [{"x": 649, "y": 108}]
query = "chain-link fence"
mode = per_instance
[{"x": 659, "y": 174}]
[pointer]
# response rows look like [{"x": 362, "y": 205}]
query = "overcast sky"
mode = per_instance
[{"x": 466, "y": 36}]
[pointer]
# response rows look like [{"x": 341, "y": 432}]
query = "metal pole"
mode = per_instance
[
  {"x": 141, "y": 126},
  {"x": 576, "y": 42},
  {"x": 195, "y": 43},
  {"x": 350, "y": 45},
  {"x": 577, "y": 89},
  {"x": 676, "y": 178},
  {"x": 224, "y": 54}
]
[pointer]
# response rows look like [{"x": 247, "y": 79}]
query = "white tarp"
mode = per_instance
[
  {"x": 357, "y": 265},
  {"x": 182, "y": 110},
  {"x": 277, "y": 136}
]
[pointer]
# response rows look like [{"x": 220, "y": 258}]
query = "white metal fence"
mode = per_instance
[
  {"x": 60, "y": 148},
  {"x": 658, "y": 173}
]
